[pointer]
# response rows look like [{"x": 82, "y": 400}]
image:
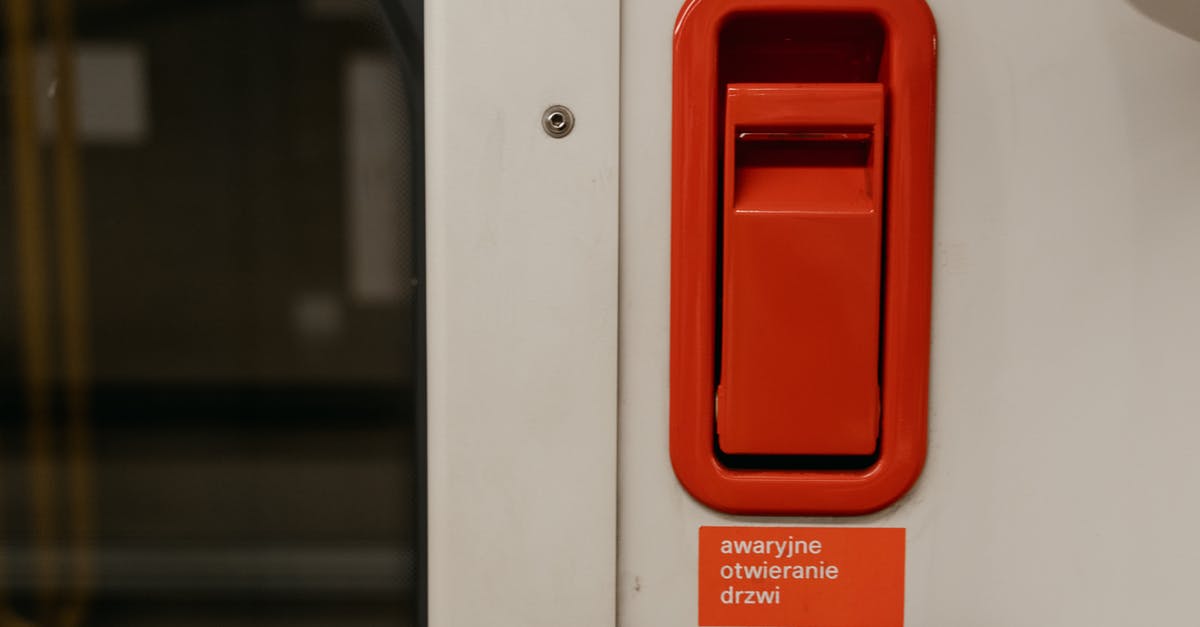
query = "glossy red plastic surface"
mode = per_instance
[
  {"x": 800, "y": 309},
  {"x": 837, "y": 43}
]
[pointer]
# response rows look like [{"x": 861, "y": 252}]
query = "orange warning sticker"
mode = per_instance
[{"x": 801, "y": 577}]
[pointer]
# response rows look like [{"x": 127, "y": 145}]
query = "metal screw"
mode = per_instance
[{"x": 558, "y": 121}]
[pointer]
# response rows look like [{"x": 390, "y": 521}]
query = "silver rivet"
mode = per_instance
[{"x": 558, "y": 121}]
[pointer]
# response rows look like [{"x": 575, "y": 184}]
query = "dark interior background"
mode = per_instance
[{"x": 251, "y": 417}]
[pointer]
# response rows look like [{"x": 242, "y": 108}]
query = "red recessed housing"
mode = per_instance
[{"x": 801, "y": 242}]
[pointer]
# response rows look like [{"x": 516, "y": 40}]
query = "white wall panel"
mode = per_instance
[{"x": 1060, "y": 483}]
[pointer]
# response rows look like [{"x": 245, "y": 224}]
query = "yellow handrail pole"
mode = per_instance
[
  {"x": 31, "y": 284},
  {"x": 73, "y": 305}
]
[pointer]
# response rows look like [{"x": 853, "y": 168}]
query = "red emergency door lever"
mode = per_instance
[{"x": 802, "y": 214}]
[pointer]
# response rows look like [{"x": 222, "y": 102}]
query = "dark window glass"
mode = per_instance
[{"x": 209, "y": 357}]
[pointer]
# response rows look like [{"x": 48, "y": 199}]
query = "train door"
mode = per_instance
[{"x": 346, "y": 312}]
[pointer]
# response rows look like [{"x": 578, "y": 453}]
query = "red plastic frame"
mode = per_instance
[{"x": 908, "y": 65}]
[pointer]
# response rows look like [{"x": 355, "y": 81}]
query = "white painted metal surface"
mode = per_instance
[
  {"x": 522, "y": 313},
  {"x": 1060, "y": 483}
]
